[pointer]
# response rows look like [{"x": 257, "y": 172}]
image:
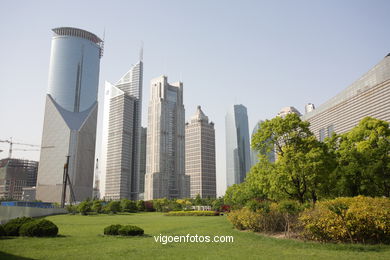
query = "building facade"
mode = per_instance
[
  {"x": 142, "y": 163},
  {"x": 122, "y": 136},
  {"x": 238, "y": 161},
  {"x": 15, "y": 175},
  {"x": 200, "y": 155},
  {"x": 165, "y": 173},
  {"x": 69, "y": 127},
  {"x": 368, "y": 96}
]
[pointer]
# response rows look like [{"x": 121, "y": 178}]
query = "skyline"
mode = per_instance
[{"x": 318, "y": 48}]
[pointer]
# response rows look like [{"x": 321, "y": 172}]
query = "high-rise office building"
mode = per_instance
[
  {"x": 368, "y": 96},
  {"x": 120, "y": 155},
  {"x": 238, "y": 161},
  {"x": 142, "y": 163},
  {"x": 200, "y": 155},
  {"x": 165, "y": 173},
  {"x": 69, "y": 127},
  {"x": 288, "y": 110}
]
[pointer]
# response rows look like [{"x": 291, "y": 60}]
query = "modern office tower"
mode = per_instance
[
  {"x": 121, "y": 136},
  {"x": 165, "y": 174},
  {"x": 69, "y": 127},
  {"x": 200, "y": 155},
  {"x": 309, "y": 107},
  {"x": 238, "y": 160},
  {"x": 368, "y": 96},
  {"x": 16, "y": 174},
  {"x": 142, "y": 163},
  {"x": 288, "y": 110},
  {"x": 254, "y": 153}
]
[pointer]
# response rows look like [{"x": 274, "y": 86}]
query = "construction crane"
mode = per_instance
[{"x": 11, "y": 143}]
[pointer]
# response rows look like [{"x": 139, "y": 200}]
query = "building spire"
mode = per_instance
[{"x": 141, "y": 51}]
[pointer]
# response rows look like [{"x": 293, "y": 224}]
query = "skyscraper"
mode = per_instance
[
  {"x": 69, "y": 127},
  {"x": 200, "y": 155},
  {"x": 142, "y": 163},
  {"x": 121, "y": 136},
  {"x": 165, "y": 174},
  {"x": 238, "y": 160}
]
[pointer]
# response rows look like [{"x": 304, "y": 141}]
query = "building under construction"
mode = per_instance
[{"x": 16, "y": 174}]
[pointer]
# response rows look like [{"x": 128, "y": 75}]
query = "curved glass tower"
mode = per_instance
[{"x": 69, "y": 127}]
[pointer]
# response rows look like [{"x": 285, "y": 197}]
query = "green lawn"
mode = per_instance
[{"x": 82, "y": 238}]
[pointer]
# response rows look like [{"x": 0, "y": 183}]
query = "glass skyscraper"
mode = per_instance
[
  {"x": 69, "y": 127},
  {"x": 238, "y": 160}
]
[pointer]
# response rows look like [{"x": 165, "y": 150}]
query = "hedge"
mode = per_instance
[
  {"x": 130, "y": 231},
  {"x": 12, "y": 227},
  {"x": 192, "y": 213},
  {"x": 112, "y": 230}
]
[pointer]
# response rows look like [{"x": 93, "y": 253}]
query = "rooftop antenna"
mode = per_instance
[{"x": 141, "y": 52}]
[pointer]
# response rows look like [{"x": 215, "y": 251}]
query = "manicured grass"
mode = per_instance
[{"x": 82, "y": 238}]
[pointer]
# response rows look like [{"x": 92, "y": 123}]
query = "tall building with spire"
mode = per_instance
[
  {"x": 200, "y": 156},
  {"x": 120, "y": 167},
  {"x": 69, "y": 127},
  {"x": 238, "y": 160},
  {"x": 165, "y": 173}
]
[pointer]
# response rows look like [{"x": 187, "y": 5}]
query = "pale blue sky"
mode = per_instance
[{"x": 263, "y": 54}]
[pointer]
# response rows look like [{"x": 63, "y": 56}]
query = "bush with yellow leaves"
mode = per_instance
[{"x": 356, "y": 220}]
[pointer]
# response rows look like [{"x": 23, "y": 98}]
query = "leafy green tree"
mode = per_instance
[
  {"x": 303, "y": 163},
  {"x": 198, "y": 200},
  {"x": 363, "y": 157},
  {"x": 237, "y": 195}
]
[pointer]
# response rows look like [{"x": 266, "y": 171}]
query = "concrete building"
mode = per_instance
[
  {"x": 165, "y": 173},
  {"x": 120, "y": 172},
  {"x": 238, "y": 161},
  {"x": 368, "y": 96},
  {"x": 142, "y": 162},
  {"x": 16, "y": 174},
  {"x": 69, "y": 127},
  {"x": 200, "y": 155}
]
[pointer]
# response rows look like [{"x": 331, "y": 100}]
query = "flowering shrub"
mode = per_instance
[{"x": 358, "y": 219}]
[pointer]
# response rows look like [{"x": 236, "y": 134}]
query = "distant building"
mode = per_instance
[
  {"x": 69, "y": 127},
  {"x": 368, "y": 96},
  {"x": 238, "y": 161},
  {"x": 120, "y": 155},
  {"x": 288, "y": 110},
  {"x": 309, "y": 107},
  {"x": 142, "y": 162},
  {"x": 29, "y": 193},
  {"x": 200, "y": 155},
  {"x": 254, "y": 153},
  {"x": 16, "y": 174},
  {"x": 165, "y": 173}
]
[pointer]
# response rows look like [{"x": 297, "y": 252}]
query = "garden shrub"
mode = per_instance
[
  {"x": 192, "y": 213},
  {"x": 264, "y": 219},
  {"x": 113, "y": 207},
  {"x": 12, "y": 227},
  {"x": 112, "y": 230},
  {"x": 39, "y": 228},
  {"x": 128, "y": 205},
  {"x": 130, "y": 230},
  {"x": 72, "y": 209},
  {"x": 140, "y": 205},
  {"x": 97, "y": 206},
  {"x": 84, "y": 207},
  {"x": 358, "y": 219}
]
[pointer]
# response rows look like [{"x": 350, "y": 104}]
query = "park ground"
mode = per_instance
[{"x": 81, "y": 237}]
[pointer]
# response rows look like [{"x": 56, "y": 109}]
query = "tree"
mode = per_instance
[
  {"x": 302, "y": 166},
  {"x": 363, "y": 157},
  {"x": 113, "y": 206}
]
